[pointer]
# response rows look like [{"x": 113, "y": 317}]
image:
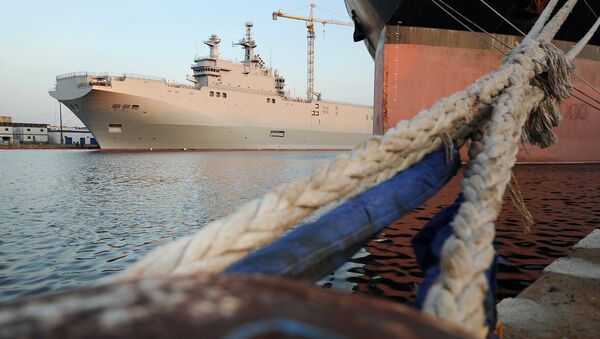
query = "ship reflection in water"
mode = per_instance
[
  {"x": 562, "y": 198},
  {"x": 68, "y": 218}
]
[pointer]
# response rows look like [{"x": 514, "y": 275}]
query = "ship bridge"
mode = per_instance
[{"x": 251, "y": 73}]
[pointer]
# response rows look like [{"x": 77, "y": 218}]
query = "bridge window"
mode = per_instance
[
  {"x": 125, "y": 107},
  {"x": 135, "y": 107},
  {"x": 116, "y": 106}
]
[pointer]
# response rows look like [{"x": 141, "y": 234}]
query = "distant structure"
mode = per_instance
[
  {"x": 71, "y": 135},
  {"x": 15, "y": 133},
  {"x": 6, "y": 131}
]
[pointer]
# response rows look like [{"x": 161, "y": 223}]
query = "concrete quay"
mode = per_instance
[{"x": 564, "y": 302}]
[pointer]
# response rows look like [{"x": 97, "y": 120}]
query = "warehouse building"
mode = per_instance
[
  {"x": 26, "y": 133},
  {"x": 14, "y": 133},
  {"x": 71, "y": 136}
]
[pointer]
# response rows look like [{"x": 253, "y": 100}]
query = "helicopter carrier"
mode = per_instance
[{"x": 231, "y": 105}]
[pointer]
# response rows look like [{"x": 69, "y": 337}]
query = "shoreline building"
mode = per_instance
[
  {"x": 7, "y": 137},
  {"x": 15, "y": 133},
  {"x": 71, "y": 135},
  {"x": 28, "y": 133}
]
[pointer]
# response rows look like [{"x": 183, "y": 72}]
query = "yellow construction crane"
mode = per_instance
[{"x": 310, "y": 25}]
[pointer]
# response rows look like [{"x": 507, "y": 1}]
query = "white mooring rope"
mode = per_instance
[
  {"x": 522, "y": 96},
  {"x": 459, "y": 291}
]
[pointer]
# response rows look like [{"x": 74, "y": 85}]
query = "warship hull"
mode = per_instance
[
  {"x": 415, "y": 66},
  {"x": 140, "y": 114}
]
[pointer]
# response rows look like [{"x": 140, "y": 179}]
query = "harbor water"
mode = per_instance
[{"x": 69, "y": 218}]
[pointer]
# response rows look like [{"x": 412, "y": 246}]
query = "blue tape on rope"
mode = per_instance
[
  {"x": 428, "y": 244},
  {"x": 313, "y": 250}
]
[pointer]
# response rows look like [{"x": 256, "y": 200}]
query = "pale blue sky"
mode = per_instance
[{"x": 41, "y": 39}]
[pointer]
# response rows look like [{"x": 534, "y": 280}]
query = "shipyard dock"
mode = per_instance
[{"x": 564, "y": 302}]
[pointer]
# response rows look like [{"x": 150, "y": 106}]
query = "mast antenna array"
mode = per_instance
[{"x": 310, "y": 50}]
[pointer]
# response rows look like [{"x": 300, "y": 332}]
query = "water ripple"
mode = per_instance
[
  {"x": 562, "y": 198},
  {"x": 77, "y": 216}
]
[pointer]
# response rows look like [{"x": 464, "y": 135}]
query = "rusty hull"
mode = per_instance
[{"x": 415, "y": 67}]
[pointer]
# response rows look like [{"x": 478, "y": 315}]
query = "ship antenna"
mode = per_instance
[{"x": 248, "y": 44}]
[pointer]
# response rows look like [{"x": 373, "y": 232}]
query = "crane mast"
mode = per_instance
[
  {"x": 310, "y": 56},
  {"x": 310, "y": 48}
]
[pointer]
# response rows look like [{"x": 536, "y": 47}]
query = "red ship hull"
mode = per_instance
[{"x": 415, "y": 67}]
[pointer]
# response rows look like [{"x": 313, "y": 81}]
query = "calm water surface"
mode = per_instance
[{"x": 70, "y": 217}]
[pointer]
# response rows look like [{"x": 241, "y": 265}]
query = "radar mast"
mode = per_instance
[{"x": 248, "y": 44}]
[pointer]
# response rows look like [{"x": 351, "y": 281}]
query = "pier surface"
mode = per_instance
[{"x": 564, "y": 302}]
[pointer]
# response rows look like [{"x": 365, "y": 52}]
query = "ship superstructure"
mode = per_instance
[{"x": 231, "y": 105}]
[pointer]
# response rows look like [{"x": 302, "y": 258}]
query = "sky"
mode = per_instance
[{"x": 42, "y": 39}]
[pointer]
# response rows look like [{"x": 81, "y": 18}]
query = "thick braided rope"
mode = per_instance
[
  {"x": 575, "y": 50},
  {"x": 459, "y": 291},
  {"x": 224, "y": 241}
]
